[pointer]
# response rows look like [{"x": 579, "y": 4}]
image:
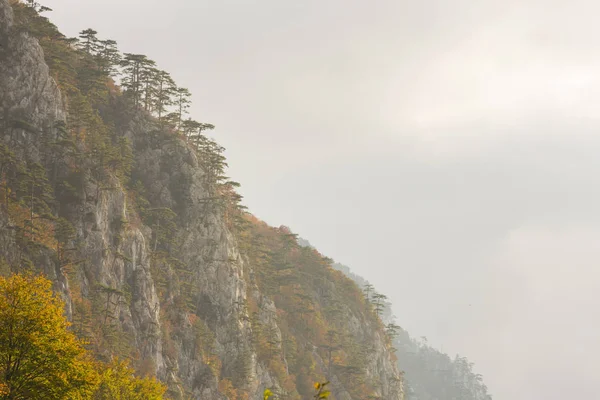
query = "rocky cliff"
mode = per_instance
[{"x": 127, "y": 216}]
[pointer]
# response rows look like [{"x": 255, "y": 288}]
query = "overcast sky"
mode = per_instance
[{"x": 447, "y": 151}]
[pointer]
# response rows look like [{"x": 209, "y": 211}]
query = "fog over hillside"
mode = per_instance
[{"x": 447, "y": 151}]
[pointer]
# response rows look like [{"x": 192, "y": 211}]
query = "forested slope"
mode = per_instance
[{"x": 116, "y": 195}]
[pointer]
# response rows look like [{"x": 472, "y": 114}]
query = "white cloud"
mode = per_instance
[
  {"x": 505, "y": 70},
  {"x": 545, "y": 292}
]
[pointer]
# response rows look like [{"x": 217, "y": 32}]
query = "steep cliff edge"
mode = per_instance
[{"x": 141, "y": 234}]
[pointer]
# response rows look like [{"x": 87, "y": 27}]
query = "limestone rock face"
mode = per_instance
[
  {"x": 30, "y": 105},
  {"x": 29, "y": 95},
  {"x": 115, "y": 248}
]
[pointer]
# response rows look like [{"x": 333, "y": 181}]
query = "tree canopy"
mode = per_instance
[{"x": 41, "y": 358}]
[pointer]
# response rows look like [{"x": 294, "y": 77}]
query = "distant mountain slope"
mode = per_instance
[{"x": 429, "y": 373}]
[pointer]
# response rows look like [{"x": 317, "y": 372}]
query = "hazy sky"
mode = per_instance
[{"x": 448, "y": 151}]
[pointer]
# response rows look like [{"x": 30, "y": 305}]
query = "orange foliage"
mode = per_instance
[
  {"x": 289, "y": 384},
  {"x": 39, "y": 230},
  {"x": 192, "y": 318},
  {"x": 226, "y": 388}
]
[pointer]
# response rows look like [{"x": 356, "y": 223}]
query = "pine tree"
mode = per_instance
[
  {"x": 162, "y": 220},
  {"x": 148, "y": 78},
  {"x": 378, "y": 303},
  {"x": 65, "y": 234},
  {"x": 89, "y": 42},
  {"x": 135, "y": 68},
  {"x": 82, "y": 318},
  {"x": 108, "y": 56},
  {"x": 113, "y": 296},
  {"x": 213, "y": 162},
  {"x": 9, "y": 173},
  {"x": 37, "y": 195},
  {"x": 272, "y": 341},
  {"x": 190, "y": 128},
  {"x": 392, "y": 330},
  {"x": 37, "y": 6},
  {"x": 368, "y": 289},
  {"x": 164, "y": 93},
  {"x": 197, "y": 138},
  {"x": 332, "y": 344},
  {"x": 182, "y": 103}
]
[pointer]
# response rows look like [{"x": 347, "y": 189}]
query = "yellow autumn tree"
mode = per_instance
[
  {"x": 39, "y": 357},
  {"x": 119, "y": 383}
]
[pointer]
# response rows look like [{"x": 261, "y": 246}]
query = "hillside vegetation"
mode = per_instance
[{"x": 118, "y": 197}]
